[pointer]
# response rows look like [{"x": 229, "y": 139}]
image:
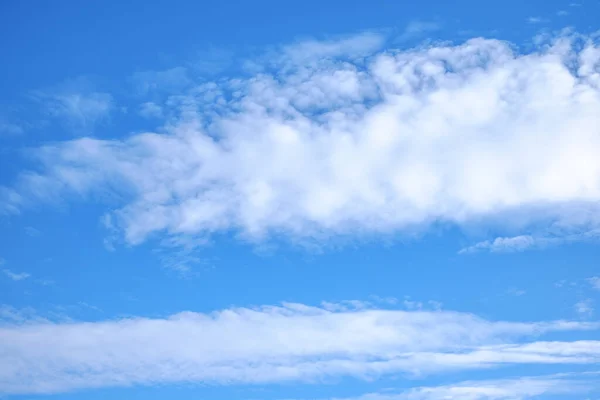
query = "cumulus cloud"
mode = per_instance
[
  {"x": 293, "y": 342},
  {"x": 340, "y": 138}
]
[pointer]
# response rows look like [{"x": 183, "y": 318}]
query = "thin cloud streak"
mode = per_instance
[{"x": 293, "y": 342}]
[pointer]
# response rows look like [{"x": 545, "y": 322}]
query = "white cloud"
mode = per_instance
[
  {"x": 527, "y": 242},
  {"x": 516, "y": 292},
  {"x": 417, "y": 28},
  {"x": 271, "y": 344},
  {"x": 167, "y": 81},
  {"x": 503, "y": 245},
  {"x": 151, "y": 110},
  {"x": 585, "y": 308},
  {"x": 535, "y": 20},
  {"x": 348, "y": 145},
  {"x": 15, "y": 276},
  {"x": 500, "y": 389},
  {"x": 10, "y": 128},
  {"x": 31, "y": 231},
  {"x": 11, "y": 316},
  {"x": 595, "y": 282},
  {"x": 10, "y": 201},
  {"x": 81, "y": 110},
  {"x": 351, "y": 46}
]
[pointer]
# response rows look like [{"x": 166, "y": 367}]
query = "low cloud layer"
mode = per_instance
[
  {"x": 356, "y": 143},
  {"x": 293, "y": 342}
]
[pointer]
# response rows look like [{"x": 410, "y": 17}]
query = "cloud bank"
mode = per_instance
[
  {"x": 293, "y": 342},
  {"x": 325, "y": 141}
]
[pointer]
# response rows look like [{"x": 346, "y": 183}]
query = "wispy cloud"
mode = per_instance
[
  {"x": 31, "y": 231},
  {"x": 15, "y": 276},
  {"x": 74, "y": 103},
  {"x": 308, "y": 51},
  {"x": 165, "y": 81},
  {"x": 10, "y": 128},
  {"x": 419, "y": 28},
  {"x": 595, "y": 282},
  {"x": 535, "y": 20},
  {"x": 294, "y": 342},
  {"x": 14, "y": 316},
  {"x": 585, "y": 308},
  {"x": 151, "y": 110},
  {"x": 27, "y": 316},
  {"x": 516, "y": 292},
  {"x": 504, "y": 244},
  {"x": 527, "y": 242},
  {"x": 351, "y": 145},
  {"x": 82, "y": 109},
  {"x": 500, "y": 389},
  {"x": 79, "y": 109}
]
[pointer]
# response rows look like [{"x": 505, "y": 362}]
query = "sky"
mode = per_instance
[{"x": 266, "y": 200}]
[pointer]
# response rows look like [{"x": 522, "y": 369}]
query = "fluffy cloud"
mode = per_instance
[
  {"x": 293, "y": 342},
  {"x": 338, "y": 138}
]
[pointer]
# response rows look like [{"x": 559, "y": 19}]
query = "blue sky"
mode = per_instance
[{"x": 295, "y": 200}]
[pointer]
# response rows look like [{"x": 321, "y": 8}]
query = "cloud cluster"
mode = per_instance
[
  {"x": 293, "y": 342},
  {"x": 335, "y": 139}
]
